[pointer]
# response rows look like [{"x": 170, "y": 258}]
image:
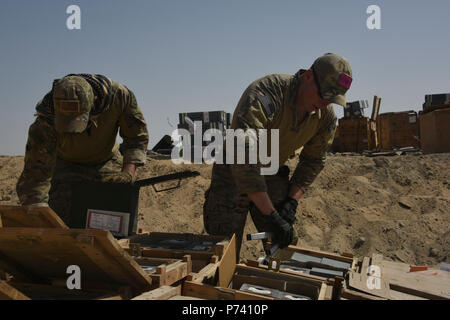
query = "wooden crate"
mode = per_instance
[
  {"x": 314, "y": 289},
  {"x": 166, "y": 271},
  {"x": 356, "y": 135},
  {"x": 29, "y": 217},
  {"x": 398, "y": 130},
  {"x": 284, "y": 264},
  {"x": 191, "y": 290},
  {"x": 38, "y": 259},
  {"x": 359, "y": 282},
  {"x": 213, "y": 264},
  {"x": 435, "y": 131}
]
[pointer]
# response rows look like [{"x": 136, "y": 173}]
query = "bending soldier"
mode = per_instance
[
  {"x": 74, "y": 138},
  {"x": 300, "y": 106}
]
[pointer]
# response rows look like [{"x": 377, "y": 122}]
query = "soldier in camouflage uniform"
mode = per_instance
[
  {"x": 74, "y": 138},
  {"x": 300, "y": 106}
]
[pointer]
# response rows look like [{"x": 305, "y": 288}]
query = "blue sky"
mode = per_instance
[{"x": 198, "y": 55}]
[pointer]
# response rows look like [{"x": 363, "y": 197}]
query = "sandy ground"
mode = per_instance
[{"x": 398, "y": 206}]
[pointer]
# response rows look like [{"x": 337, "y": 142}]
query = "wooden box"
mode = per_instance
[
  {"x": 316, "y": 264},
  {"x": 38, "y": 260},
  {"x": 312, "y": 264},
  {"x": 191, "y": 290},
  {"x": 213, "y": 258},
  {"x": 267, "y": 280},
  {"x": 435, "y": 131},
  {"x": 398, "y": 130},
  {"x": 356, "y": 135},
  {"x": 165, "y": 271}
]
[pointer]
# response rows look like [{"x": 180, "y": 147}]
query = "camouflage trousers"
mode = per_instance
[
  {"x": 225, "y": 211},
  {"x": 67, "y": 172}
]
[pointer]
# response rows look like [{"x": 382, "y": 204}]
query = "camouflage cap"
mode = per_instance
[
  {"x": 73, "y": 99},
  {"x": 333, "y": 77}
]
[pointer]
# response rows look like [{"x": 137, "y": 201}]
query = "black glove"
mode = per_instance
[
  {"x": 283, "y": 231},
  {"x": 288, "y": 209}
]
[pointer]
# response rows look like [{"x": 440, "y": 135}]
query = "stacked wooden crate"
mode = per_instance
[
  {"x": 212, "y": 258},
  {"x": 398, "y": 130},
  {"x": 356, "y": 135},
  {"x": 435, "y": 124},
  {"x": 36, "y": 249}
]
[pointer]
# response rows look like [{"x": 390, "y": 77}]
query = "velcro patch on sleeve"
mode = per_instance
[
  {"x": 267, "y": 104},
  {"x": 345, "y": 81},
  {"x": 69, "y": 106}
]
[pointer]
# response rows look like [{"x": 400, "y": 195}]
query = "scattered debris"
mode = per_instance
[
  {"x": 359, "y": 243},
  {"x": 445, "y": 266},
  {"x": 433, "y": 252},
  {"x": 404, "y": 205},
  {"x": 417, "y": 268}
]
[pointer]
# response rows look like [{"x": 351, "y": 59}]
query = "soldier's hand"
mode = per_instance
[
  {"x": 120, "y": 177},
  {"x": 283, "y": 230},
  {"x": 288, "y": 209}
]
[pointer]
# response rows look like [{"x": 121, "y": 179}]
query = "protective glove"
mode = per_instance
[
  {"x": 283, "y": 231},
  {"x": 288, "y": 209},
  {"x": 119, "y": 177}
]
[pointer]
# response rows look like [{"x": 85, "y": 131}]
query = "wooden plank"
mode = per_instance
[
  {"x": 286, "y": 276},
  {"x": 286, "y": 270},
  {"x": 227, "y": 264},
  {"x": 325, "y": 292},
  {"x": 348, "y": 294},
  {"x": 125, "y": 293},
  {"x": 204, "y": 291},
  {"x": 360, "y": 281},
  {"x": 52, "y": 292},
  {"x": 161, "y": 293},
  {"x": 103, "y": 249},
  {"x": 375, "y": 108},
  {"x": 167, "y": 275},
  {"x": 30, "y": 216},
  {"x": 19, "y": 271},
  {"x": 205, "y": 275},
  {"x": 48, "y": 253},
  {"x": 430, "y": 284},
  {"x": 8, "y": 292},
  {"x": 318, "y": 253},
  {"x": 397, "y": 295},
  {"x": 178, "y": 297},
  {"x": 175, "y": 254}
]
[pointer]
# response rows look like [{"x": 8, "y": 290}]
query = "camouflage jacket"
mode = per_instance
[
  {"x": 268, "y": 103},
  {"x": 118, "y": 112}
]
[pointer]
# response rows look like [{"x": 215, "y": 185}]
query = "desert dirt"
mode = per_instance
[{"x": 398, "y": 206}]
